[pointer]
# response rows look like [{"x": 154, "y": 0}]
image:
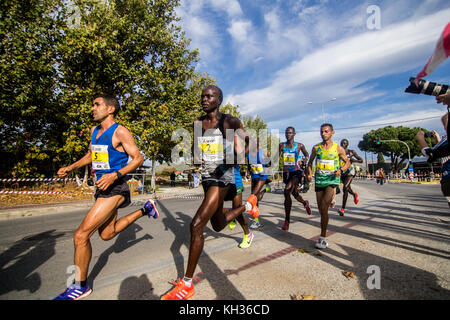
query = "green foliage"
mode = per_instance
[
  {"x": 396, "y": 151},
  {"x": 56, "y": 55}
]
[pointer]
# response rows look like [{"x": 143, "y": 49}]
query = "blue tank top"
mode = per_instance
[
  {"x": 256, "y": 165},
  {"x": 105, "y": 158},
  {"x": 290, "y": 158},
  {"x": 237, "y": 177}
]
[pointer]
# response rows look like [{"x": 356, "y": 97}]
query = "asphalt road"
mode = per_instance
[{"x": 403, "y": 229}]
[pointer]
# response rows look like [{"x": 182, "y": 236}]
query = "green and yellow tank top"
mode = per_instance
[{"x": 327, "y": 162}]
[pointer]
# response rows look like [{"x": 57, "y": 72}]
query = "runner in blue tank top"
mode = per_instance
[
  {"x": 111, "y": 145},
  {"x": 290, "y": 152},
  {"x": 259, "y": 177}
]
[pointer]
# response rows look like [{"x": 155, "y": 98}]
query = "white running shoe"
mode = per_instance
[
  {"x": 255, "y": 225},
  {"x": 322, "y": 243}
]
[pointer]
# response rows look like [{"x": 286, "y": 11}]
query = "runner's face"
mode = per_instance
[
  {"x": 100, "y": 110},
  {"x": 326, "y": 133},
  {"x": 209, "y": 100},
  {"x": 344, "y": 144},
  {"x": 290, "y": 134}
]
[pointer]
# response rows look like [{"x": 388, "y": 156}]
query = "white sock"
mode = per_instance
[{"x": 187, "y": 281}]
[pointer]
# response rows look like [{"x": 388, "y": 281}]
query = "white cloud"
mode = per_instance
[{"x": 338, "y": 68}]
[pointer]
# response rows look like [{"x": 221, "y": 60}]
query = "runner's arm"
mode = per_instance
[
  {"x": 355, "y": 155},
  {"x": 87, "y": 159},
  {"x": 304, "y": 151},
  {"x": 344, "y": 157},
  {"x": 310, "y": 162}
]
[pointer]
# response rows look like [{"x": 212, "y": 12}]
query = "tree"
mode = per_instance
[
  {"x": 396, "y": 151},
  {"x": 31, "y": 117}
]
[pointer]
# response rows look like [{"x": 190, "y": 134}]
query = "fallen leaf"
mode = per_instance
[
  {"x": 348, "y": 274},
  {"x": 302, "y": 297},
  {"x": 303, "y": 251}
]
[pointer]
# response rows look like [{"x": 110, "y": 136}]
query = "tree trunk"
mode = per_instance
[{"x": 153, "y": 184}]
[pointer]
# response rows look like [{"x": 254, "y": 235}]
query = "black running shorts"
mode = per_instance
[{"x": 119, "y": 187}]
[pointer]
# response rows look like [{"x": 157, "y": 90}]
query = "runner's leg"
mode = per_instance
[
  {"x": 212, "y": 203},
  {"x": 103, "y": 211},
  {"x": 324, "y": 198}
]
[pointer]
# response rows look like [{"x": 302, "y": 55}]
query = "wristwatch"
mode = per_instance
[{"x": 119, "y": 175}]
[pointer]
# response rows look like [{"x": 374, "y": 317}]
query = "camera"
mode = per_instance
[
  {"x": 426, "y": 87},
  {"x": 440, "y": 150},
  {"x": 428, "y": 134}
]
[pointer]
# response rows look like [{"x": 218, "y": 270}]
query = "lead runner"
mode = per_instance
[{"x": 111, "y": 145}]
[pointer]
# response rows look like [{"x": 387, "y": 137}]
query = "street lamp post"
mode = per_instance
[
  {"x": 409, "y": 152},
  {"x": 323, "y": 107}
]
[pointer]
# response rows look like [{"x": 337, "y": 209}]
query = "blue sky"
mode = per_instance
[{"x": 272, "y": 57}]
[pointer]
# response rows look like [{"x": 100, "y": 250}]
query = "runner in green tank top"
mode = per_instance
[{"x": 327, "y": 177}]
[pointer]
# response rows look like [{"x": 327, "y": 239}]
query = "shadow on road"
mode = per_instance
[
  {"x": 179, "y": 225},
  {"x": 125, "y": 239},
  {"x": 398, "y": 280},
  {"x": 17, "y": 264}
]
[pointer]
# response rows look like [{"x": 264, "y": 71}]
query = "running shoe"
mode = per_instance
[
  {"x": 355, "y": 198},
  {"x": 232, "y": 225},
  {"x": 74, "y": 292},
  {"x": 341, "y": 212},
  {"x": 255, "y": 225},
  {"x": 254, "y": 212},
  {"x": 285, "y": 226},
  {"x": 180, "y": 292},
  {"x": 250, "y": 203},
  {"x": 333, "y": 204},
  {"x": 150, "y": 209},
  {"x": 308, "y": 209},
  {"x": 246, "y": 241},
  {"x": 322, "y": 243}
]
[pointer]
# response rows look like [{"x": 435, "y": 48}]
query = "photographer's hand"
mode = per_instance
[
  {"x": 444, "y": 99},
  {"x": 436, "y": 136}
]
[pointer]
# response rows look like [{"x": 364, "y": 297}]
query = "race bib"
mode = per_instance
[
  {"x": 256, "y": 168},
  {"x": 325, "y": 166},
  {"x": 100, "y": 157},
  {"x": 289, "y": 159},
  {"x": 211, "y": 148}
]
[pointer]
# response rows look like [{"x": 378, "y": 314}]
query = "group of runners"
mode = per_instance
[{"x": 112, "y": 145}]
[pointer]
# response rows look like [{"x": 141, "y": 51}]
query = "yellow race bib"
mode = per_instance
[
  {"x": 100, "y": 157},
  {"x": 289, "y": 159},
  {"x": 211, "y": 148}
]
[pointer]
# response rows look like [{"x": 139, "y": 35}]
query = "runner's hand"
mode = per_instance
[
  {"x": 106, "y": 180},
  {"x": 338, "y": 172},
  {"x": 62, "y": 173},
  {"x": 309, "y": 177}
]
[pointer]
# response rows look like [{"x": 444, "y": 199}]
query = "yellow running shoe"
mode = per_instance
[
  {"x": 246, "y": 241},
  {"x": 232, "y": 225},
  {"x": 180, "y": 292}
]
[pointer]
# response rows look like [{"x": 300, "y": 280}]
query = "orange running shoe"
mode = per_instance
[
  {"x": 341, "y": 212},
  {"x": 254, "y": 211},
  {"x": 308, "y": 209},
  {"x": 180, "y": 292},
  {"x": 355, "y": 198},
  {"x": 285, "y": 226}
]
